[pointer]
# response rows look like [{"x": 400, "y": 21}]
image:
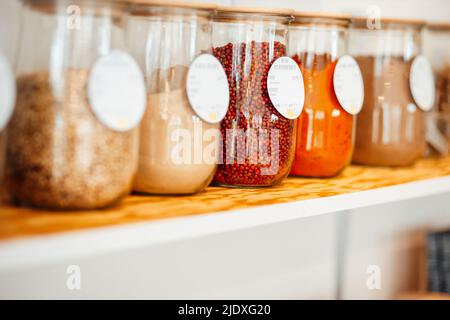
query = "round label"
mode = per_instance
[
  {"x": 421, "y": 82},
  {"x": 207, "y": 88},
  {"x": 348, "y": 85},
  {"x": 116, "y": 91},
  {"x": 286, "y": 88},
  {"x": 7, "y": 91}
]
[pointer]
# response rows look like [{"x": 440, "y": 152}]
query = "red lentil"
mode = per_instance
[{"x": 252, "y": 116}]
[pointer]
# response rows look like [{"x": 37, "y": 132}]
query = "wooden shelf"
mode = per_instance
[
  {"x": 31, "y": 237},
  {"x": 20, "y": 222}
]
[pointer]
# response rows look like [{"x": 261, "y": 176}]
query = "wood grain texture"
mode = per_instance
[{"x": 19, "y": 222}]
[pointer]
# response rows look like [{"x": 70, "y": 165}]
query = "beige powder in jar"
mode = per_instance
[
  {"x": 177, "y": 149},
  {"x": 58, "y": 154}
]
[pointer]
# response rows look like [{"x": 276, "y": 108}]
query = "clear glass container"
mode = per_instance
[
  {"x": 390, "y": 129},
  {"x": 325, "y": 131},
  {"x": 258, "y": 142},
  {"x": 58, "y": 154},
  {"x": 165, "y": 39},
  {"x": 7, "y": 101},
  {"x": 436, "y": 45}
]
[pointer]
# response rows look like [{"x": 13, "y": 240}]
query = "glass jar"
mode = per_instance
[
  {"x": 258, "y": 142},
  {"x": 165, "y": 40},
  {"x": 325, "y": 132},
  {"x": 436, "y": 46},
  {"x": 7, "y": 101},
  {"x": 70, "y": 143},
  {"x": 390, "y": 129}
]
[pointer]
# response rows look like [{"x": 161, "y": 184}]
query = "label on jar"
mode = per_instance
[
  {"x": 116, "y": 91},
  {"x": 207, "y": 88},
  {"x": 7, "y": 92},
  {"x": 348, "y": 85},
  {"x": 421, "y": 82},
  {"x": 286, "y": 88}
]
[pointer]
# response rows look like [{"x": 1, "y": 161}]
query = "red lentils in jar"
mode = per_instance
[
  {"x": 257, "y": 140},
  {"x": 258, "y": 133}
]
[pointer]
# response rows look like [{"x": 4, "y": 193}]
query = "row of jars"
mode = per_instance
[{"x": 167, "y": 98}]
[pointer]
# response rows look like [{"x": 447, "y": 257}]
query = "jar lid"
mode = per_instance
[
  {"x": 173, "y": 4},
  {"x": 361, "y": 22},
  {"x": 231, "y": 13},
  {"x": 313, "y": 18},
  {"x": 52, "y": 6},
  {"x": 438, "y": 26}
]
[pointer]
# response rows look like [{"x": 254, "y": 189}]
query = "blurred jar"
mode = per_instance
[
  {"x": 436, "y": 39},
  {"x": 258, "y": 141},
  {"x": 179, "y": 135},
  {"x": 390, "y": 128},
  {"x": 72, "y": 142},
  {"x": 7, "y": 102},
  {"x": 325, "y": 132}
]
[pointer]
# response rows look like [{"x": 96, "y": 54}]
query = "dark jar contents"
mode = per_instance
[
  {"x": 257, "y": 140},
  {"x": 443, "y": 102},
  {"x": 390, "y": 128},
  {"x": 58, "y": 155},
  {"x": 324, "y": 143}
]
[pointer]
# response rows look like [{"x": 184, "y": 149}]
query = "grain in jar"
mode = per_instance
[{"x": 72, "y": 142}]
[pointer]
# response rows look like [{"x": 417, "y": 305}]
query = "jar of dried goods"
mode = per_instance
[
  {"x": 333, "y": 94},
  {"x": 72, "y": 141},
  {"x": 7, "y": 102},
  {"x": 187, "y": 96},
  {"x": 399, "y": 89},
  {"x": 266, "y": 96},
  {"x": 436, "y": 45}
]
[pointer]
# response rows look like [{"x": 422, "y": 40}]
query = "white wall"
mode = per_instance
[{"x": 433, "y": 10}]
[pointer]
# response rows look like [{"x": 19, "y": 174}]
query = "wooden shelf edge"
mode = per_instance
[{"x": 37, "y": 250}]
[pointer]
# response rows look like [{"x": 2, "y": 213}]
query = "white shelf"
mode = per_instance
[{"x": 40, "y": 250}]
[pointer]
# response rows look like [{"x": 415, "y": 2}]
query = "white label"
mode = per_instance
[
  {"x": 116, "y": 91},
  {"x": 207, "y": 88},
  {"x": 421, "y": 82},
  {"x": 348, "y": 85},
  {"x": 7, "y": 91},
  {"x": 285, "y": 87}
]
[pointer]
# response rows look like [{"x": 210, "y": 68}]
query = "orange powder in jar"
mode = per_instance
[{"x": 325, "y": 132}]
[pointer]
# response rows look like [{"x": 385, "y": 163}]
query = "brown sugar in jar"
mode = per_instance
[{"x": 390, "y": 129}]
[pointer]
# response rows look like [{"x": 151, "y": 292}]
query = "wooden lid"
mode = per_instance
[
  {"x": 49, "y": 6},
  {"x": 361, "y": 22},
  {"x": 52, "y": 6},
  {"x": 311, "y": 18},
  {"x": 236, "y": 12},
  {"x": 173, "y": 4},
  {"x": 438, "y": 26}
]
